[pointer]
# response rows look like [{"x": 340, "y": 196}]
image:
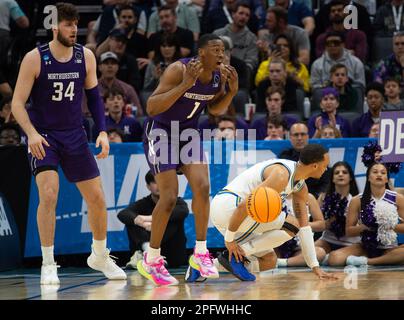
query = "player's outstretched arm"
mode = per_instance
[
  {"x": 223, "y": 99},
  {"x": 29, "y": 70},
  {"x": 95, "y": 103},
  {"x": 174, "y": 82}
]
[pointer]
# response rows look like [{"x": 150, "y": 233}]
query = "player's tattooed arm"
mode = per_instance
[{"x": 299, "y": 201}]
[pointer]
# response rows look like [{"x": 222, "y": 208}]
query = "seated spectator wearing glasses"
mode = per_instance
[
  {"x": 388, "y": 19},
  {"x": 276, "y": 128},
  {"x": 329, "y": 115},
  {"x": 283, "y": 48},
  {"x": 335, "y": 52},
  {"x": 354, "y": 40},
  {"x": 278, "y": 77},
  {"x": 138, "y": 219},
  {"x": 299, "y": 138},
  {"x": 392, "y": 91},
  {"x": 348, "y": 96},
  {"x": 115, "y": 135},
  {"x": 226, "y": 128},
  {"x": 393, "y": 65},
  {"x": 10, "y": 135},
  {"x": 275, "y": 99},
  {"x": 327, "y": 131},
  {"x": 375, "y": 99}
]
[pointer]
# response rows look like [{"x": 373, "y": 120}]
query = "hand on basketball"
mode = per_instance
[
  {"x": 35, "y": 146},
  {"x": 192, "y": 71},
  {"x": 322, "y": 275},
  {"x": 235, "y": 249},
  {"x": 102, "y": 141}
]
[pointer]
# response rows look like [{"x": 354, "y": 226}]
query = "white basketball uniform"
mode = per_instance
[{"x": 226, "y": 201}]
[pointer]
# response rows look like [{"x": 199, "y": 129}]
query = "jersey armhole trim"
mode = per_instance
[{"x": 263, "y": 169}]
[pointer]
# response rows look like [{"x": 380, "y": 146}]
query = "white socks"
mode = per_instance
[
  {"x": 47, "y": 255},
  {"x": 200, "y": 247},
  {"x": 282, "y": 262},
  {"x": 145, "y": 246},
  {"x": 99, "y": 246},
  {"x": 152, "y": 254}
]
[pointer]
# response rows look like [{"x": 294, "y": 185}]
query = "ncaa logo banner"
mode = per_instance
[{"x": 123, "y": 173}]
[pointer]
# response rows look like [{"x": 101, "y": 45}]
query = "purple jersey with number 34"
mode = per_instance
[{"x": 189, "y": 107}]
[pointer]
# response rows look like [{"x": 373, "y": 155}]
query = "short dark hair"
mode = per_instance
[
  {"x": 5, "y": 100},
  {"x": 388, "y": 79},
  {"x": 204, "y": 40},
  {"x": 118, "y": 131},
  {"x": 128, "y": 7},
  {"x": 67, "y": 11},
  {"x": 149, "y": 178},
  {"x": 337, "y": 66},
  {"x": 376, "y": 86},
  {"x": 113, "y": 91},
  {"x": 335, "y": 34},
  {"x": 334, "y": 3},
  {"x": 279, "y": 12},
  {"x": 277, "y": 120},
  {"x": 242, "y": 4},
  {"x": 312, "y": 153},
  {"x": 167, "y": 8},
  {"x": 226, "y": 117},
  {"x": 275, "y": 89}
]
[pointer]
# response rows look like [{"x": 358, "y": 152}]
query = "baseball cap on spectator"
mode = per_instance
[
  {"x": 108, "y": 55},
  {"x": 118, "y": 34}
]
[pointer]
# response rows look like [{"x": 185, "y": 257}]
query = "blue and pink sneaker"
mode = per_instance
[
  {"x": 156, "y": 271},
  {"x": 203, "y": 264}
]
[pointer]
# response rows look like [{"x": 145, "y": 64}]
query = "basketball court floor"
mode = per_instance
[{"x": 372, "y": 283}]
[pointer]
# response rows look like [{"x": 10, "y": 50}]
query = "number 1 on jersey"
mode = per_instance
[{"x": 197, "y": 104}]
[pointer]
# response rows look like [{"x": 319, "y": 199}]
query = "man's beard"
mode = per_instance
[
  {"x": 338, "y": 20},
  {"x": 64, "y": 41}
]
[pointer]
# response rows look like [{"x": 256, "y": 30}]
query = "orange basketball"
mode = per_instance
[{"x": 264, "y": 204}]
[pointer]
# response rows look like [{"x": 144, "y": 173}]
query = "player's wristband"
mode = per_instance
[{"x": 229, "y": 236}]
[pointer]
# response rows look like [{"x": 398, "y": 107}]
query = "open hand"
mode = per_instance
[
  {"x": 35, "y": 146},
  {"x": 102, "y": 141},
  {"x": 235, "y": 249},
  {"x": 192, "y": 71}
]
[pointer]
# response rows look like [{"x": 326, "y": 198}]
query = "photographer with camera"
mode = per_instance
[{"x": 169, "y": 51}]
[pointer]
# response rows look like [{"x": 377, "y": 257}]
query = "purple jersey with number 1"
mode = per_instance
[
  {"x": 55, "y": 112},
  {"x": 186, "y": 111}
]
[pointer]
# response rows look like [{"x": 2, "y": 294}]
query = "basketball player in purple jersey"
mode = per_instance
[
  {"x": 186, "y": 88},
  {"x": 53, "y": 77}
]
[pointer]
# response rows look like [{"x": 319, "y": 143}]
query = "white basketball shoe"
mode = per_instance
[
  {"x": 106, "y": 265},
  {"x": 49, "y": 274}
]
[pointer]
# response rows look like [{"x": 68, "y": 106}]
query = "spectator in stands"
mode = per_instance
[
  {"x": 10, "y": 135},
  {"x": 336, "y": 53},
  {"x": 108, "y": 67},
  {"x": 354, "y": 40},
  {"x": 137, "y": 42},
  {"x": 389, "y": 18},
  {"x": 393, "y": 65},
  {"x": 279, "y": 77},
  {"x": 257, "y": 18},
  {"x": 5, "y": 109},
  {"x": 276, "y": 128},
  {"x": 244, "y": 41},
  {"x": 375, "y": 99},
  {"x": 363, "y": 18},
  {"x": 392, "y": 91},
  {"x": 348, "y": 96},
  {"x": 276, "y": 24},
  {"x": 168, "y": 53},
  {"x": 226, "y": 128},
  {"x": 128, "y": 69},
  {"x": 115, "y": 135},
  {"x": 9, "y": 10},
  {"x": 168, "y": 23},
  {"x": 327, "y": 131},
  {"x": 298, "y": 14},
  {"x": 138, "y": 219},
  {"x": 283, "y": 48},
  {"x": 219, "y": 16},
  {"x": 5, "y": 89},
  {"x": 186, "y": 19},
  {"x": 374, "y": 130},
  {"x": 212, "y": 121},
  {"x": 275, "y": 99},
  {"x": 329, "y": 115},
  {"x": 299, "y": 138},
  {"x": 114, "y": 103},
  {"x": 195, "y": 5}
]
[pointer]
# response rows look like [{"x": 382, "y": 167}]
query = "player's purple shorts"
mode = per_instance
[
  {"x": 70, "y": 150},
  {"x": 165, "y": 152}
]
